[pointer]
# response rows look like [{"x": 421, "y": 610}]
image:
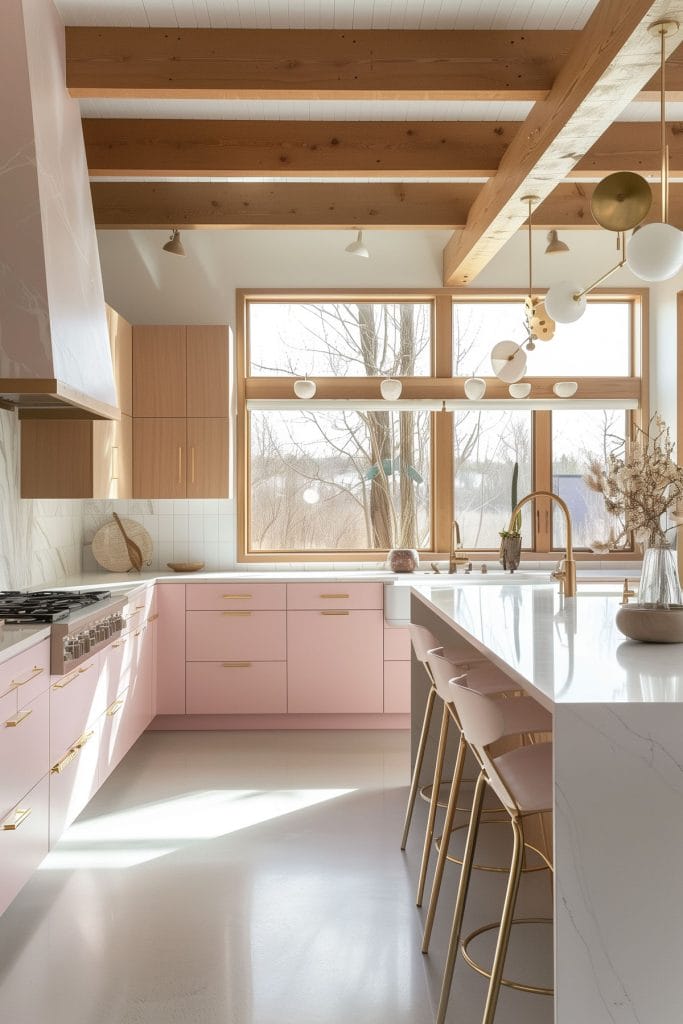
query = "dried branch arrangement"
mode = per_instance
[{"x": 640, "y": 483}]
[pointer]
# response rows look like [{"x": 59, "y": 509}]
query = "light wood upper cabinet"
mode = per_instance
[
  {"x": 121, "y": 342},
  {"x": 207, "y": 371},
  {"x": 56, "y": 458},
  {"x": 160, "y": 458},
  {"x": 207, "y": 455},
  {"x": 113, "y": 458},
  {"x": 159, "y": 371}
]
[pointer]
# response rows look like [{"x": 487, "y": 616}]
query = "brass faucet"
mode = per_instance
[
  {"x": 457, "y": 555},
  {"x": 566, "y": 571},
  {"x": 626, "y": 592}
]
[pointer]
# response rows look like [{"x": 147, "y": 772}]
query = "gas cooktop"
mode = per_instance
[{"x": 18, "y": 608}]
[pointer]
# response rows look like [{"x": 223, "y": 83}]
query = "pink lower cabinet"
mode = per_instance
[
  {"x": 335, "y": 661},
  {"x": 236, "y": 688},
  {"x": 24, "y": 740},
  {"x": 23, "y": 840},
  {"x": 236, "y": 635},
  {"x": 397, "y": 687},
  {"x": 77, "y": 699},
  {"x": 74, "y": 779},
  {"x": 170, "y": 691}
]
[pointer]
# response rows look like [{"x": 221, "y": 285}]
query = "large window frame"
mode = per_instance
[{"x": 439, "y": 385}]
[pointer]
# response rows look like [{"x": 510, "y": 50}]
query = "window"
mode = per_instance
[{"x": 346, "y": 475}]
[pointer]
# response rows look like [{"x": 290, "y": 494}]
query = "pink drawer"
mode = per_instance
[
  {"x": 335, "y": 662},
  {"x": 28, "y": 672},
  {"x": 170, "y": 670},
  {"x": 23, "y": 841},
  {"x": 122, "y": 724},
  {"x": 397, "y": 687},
  {"x": 396, "y": 643},
  {"x": 77, "y": 699},
  {"x": 236, "y": 635},
  {"x": 73, "y": 780},
  {"x": 236, "y": 687},
  {"x": 119, "y": 664},
  {"x": 306, "y": 596},
  {"x": 257, "y": 596},
  {"x": 24, "y": 736}
]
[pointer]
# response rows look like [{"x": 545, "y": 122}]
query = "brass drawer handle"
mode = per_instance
[
  {"x": 72, "y": 675},
  {"x": 237, "y": 597},
  {"x": 236, "y": 664},
  {"x": 20, "y": 816},
  {"x": 336, "y": 612},
  {"x": 16, "y": 683},
  {"x": 334, "y": 595},
  {"x": 153, "y": 618},
  {"x": 231, "y": 612},
  {"x": 71, "y": 753},
  {"x": 115, "y": 707},
  {"x": 17, "y": 719}
]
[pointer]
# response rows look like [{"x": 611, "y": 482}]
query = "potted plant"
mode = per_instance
[{"x": 511, "y": 540}]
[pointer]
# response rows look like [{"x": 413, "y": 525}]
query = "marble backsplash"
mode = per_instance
[{"x": 40, "y": 540}]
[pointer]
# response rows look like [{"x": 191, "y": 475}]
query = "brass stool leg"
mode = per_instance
[
  {"x": 506, "y": 922},
  {"x": 415, "y": 781},
  {"x": 433, "y": 803},
  {"x": 458, "y": 913},
  {"x": 443, "y": 849}
]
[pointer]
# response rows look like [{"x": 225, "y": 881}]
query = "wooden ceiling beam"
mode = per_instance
[
  {"x": 128, "y": 205},
  {"x": 614, "y": 56},
  {"x": 467, "y": 149},
  {"x": 322, "y": 64}
]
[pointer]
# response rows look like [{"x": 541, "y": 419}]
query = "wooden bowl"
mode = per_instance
[{"x": 185, "y": 566}]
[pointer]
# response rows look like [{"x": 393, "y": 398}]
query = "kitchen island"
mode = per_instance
[{"x": 618, "y": 792}]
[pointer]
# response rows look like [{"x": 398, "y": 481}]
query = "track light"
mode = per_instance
[
  {"x": 174, "y": 244},
  {"x": 555, "y": 243},
  {"x": 358, "y": 248}
]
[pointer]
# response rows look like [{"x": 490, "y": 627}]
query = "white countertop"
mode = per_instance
[
  {"x": 17, "y": 639},
  {"x": 563, "y": 650}
]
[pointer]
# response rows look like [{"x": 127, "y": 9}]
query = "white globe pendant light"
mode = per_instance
[
  {"x": 655, "y": 252},
  {"x": 565, "y": 302}
]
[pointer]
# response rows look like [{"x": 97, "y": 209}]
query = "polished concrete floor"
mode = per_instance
[{"x": 251, "y": 878}]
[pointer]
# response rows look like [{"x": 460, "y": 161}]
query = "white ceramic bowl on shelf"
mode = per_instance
[
  {"x": 565, "y": 388},
  {"x": 520, "y": 390}
]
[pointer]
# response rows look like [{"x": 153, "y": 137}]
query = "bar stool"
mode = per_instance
[
  {"x": 523, "y": 717},
  {"x": 522, "y": 781}
]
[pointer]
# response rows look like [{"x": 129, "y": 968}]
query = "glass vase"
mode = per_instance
[{"x": 659, "y": 583}]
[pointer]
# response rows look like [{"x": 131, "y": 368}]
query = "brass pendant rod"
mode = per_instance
[
  {"x": 662, "y": 115},
  {"x": 530, "y": 199},
  {"x": 617, "y": 266}
]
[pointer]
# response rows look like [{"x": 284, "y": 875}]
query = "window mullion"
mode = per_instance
[
  {"x": 542, "y": 449},
  {"x": 442, "y": 428}
]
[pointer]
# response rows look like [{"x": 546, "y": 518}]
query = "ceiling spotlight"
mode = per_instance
[
  {"x": 358, "y": 248},
  {"x": 174, "y": 244},
  {"x": 555, "y": 243}
]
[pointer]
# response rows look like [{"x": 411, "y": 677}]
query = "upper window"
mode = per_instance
[
  {"x": 340, "y": 339},
  {"x": 597, "y": 345}
]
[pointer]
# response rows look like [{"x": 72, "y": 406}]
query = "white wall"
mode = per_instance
[{"x": 148, "y": 285}]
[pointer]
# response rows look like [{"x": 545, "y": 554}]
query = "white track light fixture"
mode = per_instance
[
  {"x": 174, "y": 245},
  {"x": 358, "y": 248}
]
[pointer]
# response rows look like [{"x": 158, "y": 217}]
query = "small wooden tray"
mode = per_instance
[{"x": 185, "y": 566}]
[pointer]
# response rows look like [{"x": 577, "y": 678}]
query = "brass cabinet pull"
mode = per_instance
[
  {"x": 20, "y": 815},
  {"x": 192, "y": 464},
  {"x": 236, "y": 612},
  {"x": 180, "y": 464},
  {"x": 114, "y": 462},
  {"x": 236, "y": 664},
  {"x": 63, "y": 683},
  {"x": 139, "y": 607},
  {"x": 115, "y": 707},
  {"x": 334, "y": 595},
  {"x": 16, "y": 683},
  {"x": 17, "y": 719},
  {"x": 71, "y": 753},
  {"x": 339, "y": 611},
  {"x": 137, "y": 632},
  {"x": 153, "y": 618},
  {"x": 237, "y": 597}
]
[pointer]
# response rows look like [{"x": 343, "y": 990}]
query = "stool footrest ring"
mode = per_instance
[
  {"x": 517, "y": 985},
  {"x": 504, "y": 870}
]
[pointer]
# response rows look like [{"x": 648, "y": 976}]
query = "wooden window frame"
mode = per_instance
[{"x": 440, "y": 384}]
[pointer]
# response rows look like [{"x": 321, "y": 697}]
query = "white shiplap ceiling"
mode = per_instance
[{"x": 321, "y": 14}]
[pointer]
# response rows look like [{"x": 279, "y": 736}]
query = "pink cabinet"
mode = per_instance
[
  {"x": 171, "y": 649},
  {"x": 397, "y": 687},
  {"x": 334, "y": 661},
  {"x": 74, "y": 779},
  {"x": 396, "y": 643},
  {"x": 301, "y": 596},
  {"x": 23, "y": 747},
  {"x": 236, "y": 687},
  {"x": 23, "y": 840},
  {"x": 247, "y": 595},
  {"x": 77, "y": 699},
  {"x": 28, "y": 673},
  {"x": 236, "y": 635}
]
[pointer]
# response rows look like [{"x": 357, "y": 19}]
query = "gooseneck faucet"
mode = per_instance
[{"x": 566, "y": 574}]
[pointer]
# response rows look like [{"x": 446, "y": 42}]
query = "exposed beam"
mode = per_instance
[
  {"x": 612, "y": 59},
  {"x": 313, "y": 64},
  {"x": 468, "y": 149},
  {"x": 380, "y": 205}
]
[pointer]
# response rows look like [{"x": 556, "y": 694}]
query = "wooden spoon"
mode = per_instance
[{"x": 134, "y": 552}]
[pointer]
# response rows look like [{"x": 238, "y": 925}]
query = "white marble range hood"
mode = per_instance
[{"x": 52, "y": 315}]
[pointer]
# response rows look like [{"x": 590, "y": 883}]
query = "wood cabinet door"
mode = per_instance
[
  {"x": 159, "y": 458},
  {"x": 159, "y": 371},
  {"x": 334, "y": 662},
  {"x": 207, "y": 458},
  {"x": 121, "y": 343},
  {"x": 56, "y": 458},
  {"x": 207, "y": 371},
  {"x": 112, "y": 458}
]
